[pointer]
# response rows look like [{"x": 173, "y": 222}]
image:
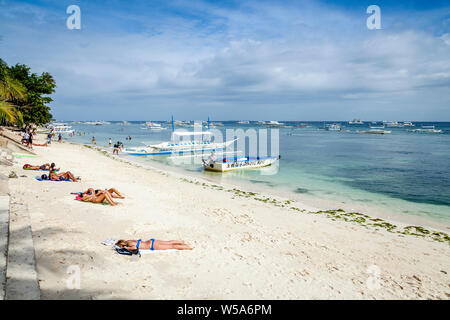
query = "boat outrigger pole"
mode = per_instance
[{"x": 209, "y": 123}]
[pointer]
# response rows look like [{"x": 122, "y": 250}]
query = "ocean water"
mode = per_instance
[{"x": 402, "y": 173}]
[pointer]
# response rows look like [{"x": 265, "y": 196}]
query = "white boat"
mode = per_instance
[
  {"x": 176, "y": 145},
  {"x": 376, "y": 130},
  {"x": 154, "y": 126},
  {"x": 276, "y": 124},
  {"x": 261, "y": 122},
  {"x": 408, "y": 124},
  {"x": 356, "y": 121},
  {"x": 427, "y": 129},
  {"x": 243, "y": 122},
  {"x": 97, "y": 123},
  {"x": 229, "y": 164},
  {"x": 392, "y": 124},
  {"x": 60, "y": 128},
  {"x": 334, "y": 127}
]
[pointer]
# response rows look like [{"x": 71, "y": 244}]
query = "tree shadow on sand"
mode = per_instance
[{"x": 56, "y": 263}]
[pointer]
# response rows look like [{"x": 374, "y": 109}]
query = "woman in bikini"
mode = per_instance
[
  {"x": 62, "y": 176},
  {"x": 112, "y": 191},
  {"x": 91, "y": 197},
  {"x": 153, "y": 244},
  {"x": 45, "y": 166}
]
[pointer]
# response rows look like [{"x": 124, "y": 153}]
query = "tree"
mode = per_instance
[
  {"x": 34, "y": 108},
  {"x": 10, "y": 90}
]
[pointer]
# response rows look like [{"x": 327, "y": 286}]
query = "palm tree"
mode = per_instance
[{"x": 10, "y": 90}]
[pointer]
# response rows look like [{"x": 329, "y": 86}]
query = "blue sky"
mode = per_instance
[{"x": 262, "y": 60}]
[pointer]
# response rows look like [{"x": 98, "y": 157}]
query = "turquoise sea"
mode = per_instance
[{"x": 401, "y": 174}]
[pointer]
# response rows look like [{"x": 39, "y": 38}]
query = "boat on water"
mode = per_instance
[
  {"x": 261, "y": 122},
  {"x": 392, "y": 124},
  {"x": 427, "y": 129},
  {"x": 356, "y": 121},
  {"x": 243, "y": 122},
  {"x": 276, "y": 124},
  {"x": 303, "y": 125},
  {"x": 154, "y": 126},
  {"x": 201, "y": 142},
  {"x": 97, "y": 123},
  {"x": 376, "y": 130},
  {"x": 60, "y": 128},
  {"x": 408, "y": 124},
  {"x": 334, "y": 127},
  {"x": 229, "y": 164}
]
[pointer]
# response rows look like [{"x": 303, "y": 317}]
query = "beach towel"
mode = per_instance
[{"x": 39, "y": 179}]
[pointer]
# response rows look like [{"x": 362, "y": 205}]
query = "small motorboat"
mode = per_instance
[{"x": 228, "y": 164}]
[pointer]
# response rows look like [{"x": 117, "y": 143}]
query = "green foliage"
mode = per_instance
[
  {"x": 34, "y": 109},
  {"x": 24, "y": 95}
]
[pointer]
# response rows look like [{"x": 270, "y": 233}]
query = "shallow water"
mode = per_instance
[{"x": 403, "y": 172}]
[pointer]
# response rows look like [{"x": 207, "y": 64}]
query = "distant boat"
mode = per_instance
[
  {"x": 243, "y": 122},
  {"x": 334, "y": 127},
  {"x": 229, "y": 164},
  {"x": 60, "y": 128},
  {"x": 276, "y": 124},
  {"x": 392, "y": 124},
  {"x": 261, "y": 122},
  {"x": 303, "y": 125},
  {"x": 154, "y": 126},
  {"x": 408, "y": 124},
  {"x": 376, "y": 130},
  {"x": 356, "y": 121},
  {"x": 427, "y": 129}
]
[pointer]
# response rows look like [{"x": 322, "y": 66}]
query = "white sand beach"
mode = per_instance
[{"x": 243, "y": 248}]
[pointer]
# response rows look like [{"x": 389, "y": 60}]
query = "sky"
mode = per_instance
[{"x": 236, "y": 60}]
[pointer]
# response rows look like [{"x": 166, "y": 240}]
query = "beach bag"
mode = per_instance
[
  {"x": 126, "y": 251},
  {"x": 25, "y": 166}
]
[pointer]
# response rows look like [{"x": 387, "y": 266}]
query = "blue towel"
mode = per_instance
[{"x": 39, "y": 179}]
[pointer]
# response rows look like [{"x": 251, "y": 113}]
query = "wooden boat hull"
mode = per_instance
[{"x": 238, "y": 164}]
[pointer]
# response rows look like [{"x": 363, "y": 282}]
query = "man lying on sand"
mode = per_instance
[{"x": 152, "y": 244}]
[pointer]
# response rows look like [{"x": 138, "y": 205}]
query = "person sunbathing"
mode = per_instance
[
  {"x": 62, "y": 176},
  {"x": 112, "y": 191},
  {"x": 45, "y": 166},
  {"x": 106, "y": 196},
  {"x": 152, "y": 244}
]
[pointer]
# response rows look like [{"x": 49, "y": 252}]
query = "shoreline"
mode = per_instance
[
  {"x": 244, "y": 248},
  {"x": 311, "y": 204}
]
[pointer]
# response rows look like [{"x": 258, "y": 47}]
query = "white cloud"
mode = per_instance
[{"x": 266, "y": 54}]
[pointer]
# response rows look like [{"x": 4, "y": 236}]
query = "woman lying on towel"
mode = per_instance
[
  {"x": 152, "y": 244},
  {"x": 112, "y": 191},
  {"x": 100, "y": 198},
  {"x": 53, "y": 176}
]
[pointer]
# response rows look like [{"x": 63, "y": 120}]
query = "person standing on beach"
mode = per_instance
[
  {"x": 30, "y": 140},
  {"x": 49, "y": 138},
  {"x": 116, "y": 148},
  {"x": 93, "y": 140},
  {"x": 110, "y": 142},
  {"x": 60, "y": 138}
]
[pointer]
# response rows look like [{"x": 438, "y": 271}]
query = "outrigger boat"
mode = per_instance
[
  {"x": 179, "y": 146},
  {"x": 227, "y": 164}
]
